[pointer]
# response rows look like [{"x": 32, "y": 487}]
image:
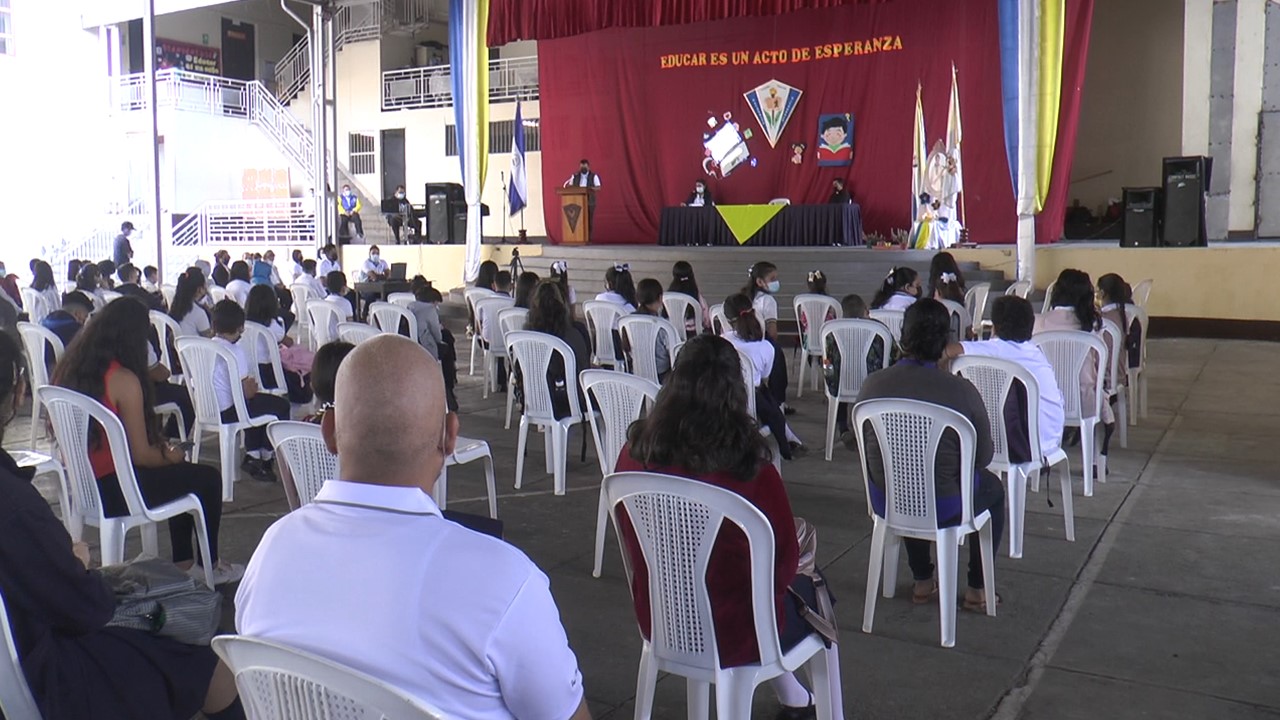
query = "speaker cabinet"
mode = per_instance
[
  {"x": 1141, "y": 217},
  {"x": 1186, "y": 187}
]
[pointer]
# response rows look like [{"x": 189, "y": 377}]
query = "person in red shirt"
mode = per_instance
[{"x": 699, "y": 428}]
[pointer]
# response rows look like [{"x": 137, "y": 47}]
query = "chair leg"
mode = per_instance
[
  {"x": 111, "y": 537},
  {"x": 1068, "y": 509},
  {"x": 948, "y": 551},
  {"x": 873, "y": 574},
  {"x": 987, "y": 550},
  {"x": 196, "y": 437},
  {"x": 803, "y": 362},
  {"x": 1087, "y": 457},
  {"x": 71, "y": 518},
  {"x": 823, "y": 667},
  {"x": 549, "y": 445},
  {"x": 150, "y": 540},
  {"x": 440, "y": 493},
  {"x": 475, "y": 343},
  {"x": 833, "y": 409},
  {"x": 646, "y": 684},
  {"x": 487, "y": 380},
  {"x": 733, "y": 699},
  {"x": 520, "y": 446},
  {"x": 602, "y": 518},
  {"x": 511, "y": 400},
  {"x": 560, "y": 444},
  {"x": 491, "y": 486},
  {"x": 202, "y": 542},
  {"x": 1142, "y": 380},
  {"x": 35, "y": 421},
  {"x": 697, "y": 699},
  {"x": 227, "y": 453},
  {"x": 1122, "y": 417},
  {"x": 1017, "y": 509},
  {"x": 1132, "y": 391}
]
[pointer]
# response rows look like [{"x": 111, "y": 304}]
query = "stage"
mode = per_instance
[{"x": 1224, "y": 290}]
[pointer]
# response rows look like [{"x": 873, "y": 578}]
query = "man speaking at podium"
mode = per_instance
[{"x": 587, "y": 179}]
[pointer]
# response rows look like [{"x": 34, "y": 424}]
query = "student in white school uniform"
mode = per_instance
[
  {"x": 899, "y": 291},
  {"x": 762, "y": 285},
  {"x": 329, "y": 261},
  {"x": 238, "y": 287},
  {"x": 619, "y": 288},
  {"x": 748, "y": 337},
  {"x": 228, "y": 326},
  {"x": 188, "y": 305},
  {"x": 336, "y": 285},
  {"x": 309, "y": 278},
  {"x": 1013, "y": 320},
  {"x": 296, "y": 269}
]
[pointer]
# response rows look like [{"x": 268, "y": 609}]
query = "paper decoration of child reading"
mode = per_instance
[{"x": 835, "y": 140}]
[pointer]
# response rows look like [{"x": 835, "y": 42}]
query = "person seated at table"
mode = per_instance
[
  {"x": 683, "y": 281},
  {"x": 649, "y": 299},
  {"x": 375, "y": 268},
  {"x": 700, "y": 197},
  {"x": 699, "y": 429},
  {"x": 839, "y": 195},
  {"x": 926, "y": 329},
  {"x": 901, "y": 288},
  {"x": 747, "y": 335}
]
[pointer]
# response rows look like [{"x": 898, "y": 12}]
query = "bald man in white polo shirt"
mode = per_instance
[{"x": 372, "y": 576}]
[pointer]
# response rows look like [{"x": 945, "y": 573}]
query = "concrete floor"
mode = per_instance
[{"x": 1164, "y": 607}]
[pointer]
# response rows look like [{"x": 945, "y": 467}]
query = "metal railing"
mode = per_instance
[
  {"x": 97, "y": 243},
  {"x": 510, "y": 79},
  {"x": 276, "y": 221},
  {"x": 351, "y": 23}
]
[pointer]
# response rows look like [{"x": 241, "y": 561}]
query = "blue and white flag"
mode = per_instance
[{"x": 518, "y": 190}]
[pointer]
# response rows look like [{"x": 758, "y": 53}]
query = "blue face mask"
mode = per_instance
[{"x": 773, "y": 287}]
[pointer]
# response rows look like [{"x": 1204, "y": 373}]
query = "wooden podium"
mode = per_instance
[{"x": 575, "y": 213}]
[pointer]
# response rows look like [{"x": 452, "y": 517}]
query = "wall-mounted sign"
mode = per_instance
[{"x": 185, "y": 56}]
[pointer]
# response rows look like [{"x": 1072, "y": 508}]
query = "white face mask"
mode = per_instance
[
  {"x": 400, "y": 196},
  {"x": 375, "y": 257},
  {"x": 699, "y": 189},
  {"x": 347, "y": 192}
]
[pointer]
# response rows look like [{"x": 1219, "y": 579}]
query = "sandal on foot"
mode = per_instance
[
  {"x": 925, "y": 598},
  {"x": 978, "y": 606}
]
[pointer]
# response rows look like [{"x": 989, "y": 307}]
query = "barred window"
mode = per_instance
[
  {"x": 501, "y": 134},
  {"x": 6, "y": 28},
  {"x": 363, "y": 153}
]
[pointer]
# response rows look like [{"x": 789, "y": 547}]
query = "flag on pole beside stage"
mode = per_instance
[
  {"x": 955, "y": 168},
  {"x": 919, "y": 159},
  {"x": 469, "y": 75},
  {"x": 518, "y": 190}
]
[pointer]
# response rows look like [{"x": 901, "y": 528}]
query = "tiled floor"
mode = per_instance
[{"x": 1164, "y": 607}]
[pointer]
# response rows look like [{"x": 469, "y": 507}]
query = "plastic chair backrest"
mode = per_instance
[
  {"x": 814, "y": 309},
  {"x": 531, "y": 352},
  {"x": 168, "y": 291},
  {"x": 643, "y": 333},
  {"x": 324, "y": 318},
  {"x": 387, "y": 317},
  {"x": 301, "y": 293},
  {"x": 749, "y": 379},
  {"x": 487, "y": 308},
  {"x": 602, "y": 315},
  {"x": 401, "y": 298},
  {"x": 677, "y": 306},
  {"x": 676, "y": 522},
  {"x": 960, "y": 320},
  {"x": 1048, "y": 298},
  {"x": 975, "y": 301},
  {"x": 1113, "y": 337},
  {"x": 1138, "y": 315},
  {"x": 780, "y": 201},
  {"x": 263, "y": 349},
  {"x": 217, "y": 293},
  {"x": 356, "y": 332},
  {"x": 1142, "y": 293},
  {"x": 891, "y": 319},
  {"x": 719, "y": 318},
  {"x": 200, "y": 359},
  {"x": 908, "y": 433},
  {"x": 994, "y": 379},
  {"x": 34, "y": 303},
  {"x": 619, "y": 397},
  {"x": 511, "y": 320},
  {"x": 110, "y": 296},
  {"x": 16, "y": 701},
  {"x": 1021, "y": 288},
  {"x": 167, "y": 332},
  {"x": 853, "y": 338},
  {"x": 35, "y": 340},
  {"x": 302, "y": 447},
  {"x": 72, "y": 414},
  {"x": 283, "y": 683},
  {"x": 1067, "y": 352}
]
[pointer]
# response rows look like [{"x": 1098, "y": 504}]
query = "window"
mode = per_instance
[
  {"x": 501, "y": 133},
  {"x": 6, "y": 28},
  {"x": 362, "y": 153}
]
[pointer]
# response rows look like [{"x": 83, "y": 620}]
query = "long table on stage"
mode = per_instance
[{"x": 792, "y": 225}]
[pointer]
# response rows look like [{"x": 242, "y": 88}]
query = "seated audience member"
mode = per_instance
[
  {"x": 264, "y": 309},
  {"x": 620, "y": 289},
  {"x": 496, "y": 650},
  {"x": 747, "y": 335},
  {"x": 925, "y": 330},
  {"x": 129, "y": 287},
  {"x": 1114, "y": 294},
  {"x": 1072, "y": 308},
  {"x": 762, "y": 285},
  {"x": 1012, "y": 319},
  {"x": 560, "y": 273},
  {"x": 89, "y": 283},
  {"x": 524, "y": 288},
  {"x": 946, "y": 282},
  {"x": 901, "y": 288},
  {"x": 187, "y": 307},
  {"x": 77, "y": 666},
  {"x": 817, "y": 282},
  {"x": 549, "y": 314},
  {"x": 699, "y": 429},
  {"x": 10, "y": 293},
  {"x": 108, "y": 362},
  {"x": 852, "y": 307},
  {"x": 324, "y": 375},
  {"x": 426, "y": 309},
  {"x": 683, "y": 281},
  {"x": 44, "y": 284},
  {"x": 106, "y": 269},
  {"x": 308, "y": 278},
  {"x": 228, "y": 326},
  {"x": 238, "y": 286},
  {"x": 151, "y": 279},
  {"x": 296, "y": 268},
  {"x": 336, "y": 284},
  {"x": 649, "y": 302},
  {"x": 73, "y": 270},
  {"x": 65, "y": 323},
  {"x": 502, "y": 283}
]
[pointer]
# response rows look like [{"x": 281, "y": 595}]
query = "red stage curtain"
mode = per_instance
[
  {"x": 550, "y": 19},
  {"x": 606, "y": 97}
]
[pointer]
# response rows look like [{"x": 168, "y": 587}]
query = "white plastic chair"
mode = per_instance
[
  {"x": 719, "y": 321},
  {"x": 110, "y": 296},
  {"x": 167, "y": 332},
  {"x": 467, "y": 450},
  {"x": 167, "y": 292},
  {"x": 1068, "y": 351},
  {"x": 472, "y": 295},
  {"x": 323, "y": 318},
  {"x": 217, "y": 293},
  {"x": 960, "y": 320},
  {"x": 908, "y": 433},
  {"x": 814, "y": 308},
  {"x": 489, "y": 307},
  {"x": 72, "y": 415},
  {"x": 511, "y": 320},
  {"x": 1142, "y": 293},
  {"x": 891, "y": 319},
  {"x": 301, "y": 448},
  {"x": 1048, "y": 298},
  {"x": 602, "y": 319},
  {"x": 1021, "y": 288},
  {"x": 16, "y": 701},
  {"x": 1117, "y": 352},
  {"x": 532, "y": 352},
  {"x": 620, "y": 398},
  {"x": 676, "y": 522},
  {"x": 677, "y": 306},
  {"x": 401, "y": 298},
  {"x": 43, "y": 464},
  {"x": 994, "y": 379},
  {"x": 200, "y": 358},
  {"x": 975, "y": 301},
  {"x": 34, "y": 304},
  {"x": 301, "y": 293},
  {"x": 642, "y": 334},
  {"x": 277, "y": 682},
  {"x": 853, "y": 338},
  {"x": 1138, "y": 373},
  {"x": 780, "y": 201},
  {"x": 262, "y": 348},
  {"x": 356, "y": 332},
  {"x": 35, "y": 341},
  {"x": 749, "y": 379},
  {"x": 387, "y": 317}
]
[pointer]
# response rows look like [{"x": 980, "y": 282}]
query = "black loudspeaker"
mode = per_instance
[
  {"x": 438, "y": 220},
  {"x": 1186, "y": 187},
  {"x": 1141, "y": 217}
]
